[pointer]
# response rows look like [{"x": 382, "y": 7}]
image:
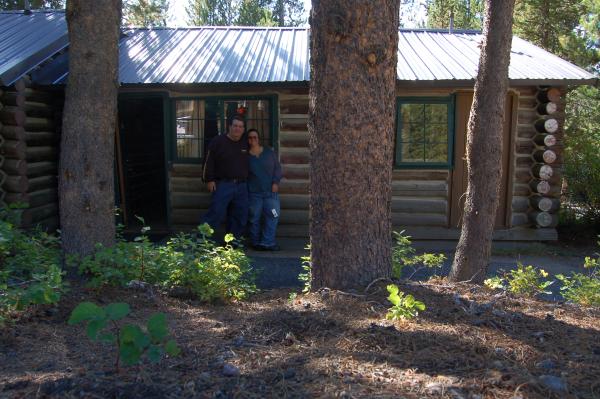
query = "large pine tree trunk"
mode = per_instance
[
  {"x": 86, "y": 178},
  {"x": 352, "y": 106},
  {"x": 484, "y": 145}
]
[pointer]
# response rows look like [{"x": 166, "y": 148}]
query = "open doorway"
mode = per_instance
[{"x": 140, "y": 155}]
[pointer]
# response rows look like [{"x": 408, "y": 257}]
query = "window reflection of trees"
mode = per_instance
[{"x": 423, "y": 133}]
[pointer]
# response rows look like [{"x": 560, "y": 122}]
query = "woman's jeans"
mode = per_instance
[{"x": 264, "y": 206}]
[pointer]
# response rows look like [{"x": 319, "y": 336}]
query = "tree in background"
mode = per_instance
[
  {"x": 86, "y": 174},
  {"x": 582, "y": 152},
  {"x": 467, "y": 14},
  {"x": 246, "y": 12},
  {"x": 288, "y": 12},
  {"x": 411, "y": 13},
  {"x": 353, "y": 60},
  {"x": 33, "y": 4},
  {"x": 582, "y": 125},
  {"x": 550, "y": 24},
  {"x": 212, "y": 12},
  {"x": 255, "y": 13},
  {"x": 484, "y": 145},
  {"x": 145, "y": 12}
]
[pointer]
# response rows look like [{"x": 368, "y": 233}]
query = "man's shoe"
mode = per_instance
[
  {"x": 273, "y": 248},
  {"x": 258, "y": 247}
]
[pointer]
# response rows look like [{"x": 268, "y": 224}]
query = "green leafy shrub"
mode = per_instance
[
  {"x": 132, "y": 342},
  {"x": 404, "y": 255},
  {"x": 123, "y": 262},
  {"x": 582, "y": 153},
  {"x": 581, "y": 288},
  {"x": 29, "y": 268},
  {"x": 209, "y": 271},
  {"x": 192, "y": 262},
  {"x": 306, "y": 276},
  {"x": 404, "y": 306},
  {"x": 524, "y": 280}
]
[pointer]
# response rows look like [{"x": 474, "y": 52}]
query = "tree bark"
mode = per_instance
[
  {"x": 484, "y": 145},
  {"x": 351, "y": 128},
  {"x": 86, "y": 178}
]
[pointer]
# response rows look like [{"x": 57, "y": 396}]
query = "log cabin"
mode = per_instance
[{"x": 179, "y": 86}]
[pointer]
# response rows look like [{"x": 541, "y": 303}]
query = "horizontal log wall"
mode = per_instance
[
  {"x": 532, "y": 165},
  {"x": 29, "y": 133}
]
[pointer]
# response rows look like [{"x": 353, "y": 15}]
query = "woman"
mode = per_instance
[{"x": 263, "y": 186}]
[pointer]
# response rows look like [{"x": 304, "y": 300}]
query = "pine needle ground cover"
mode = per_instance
[{"x": 470, "y": 342}]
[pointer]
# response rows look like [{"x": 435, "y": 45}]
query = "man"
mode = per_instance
[{"x": 225, "y": 173}]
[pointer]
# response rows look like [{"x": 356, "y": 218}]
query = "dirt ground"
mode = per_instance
[{"x": 469, "y": 343}]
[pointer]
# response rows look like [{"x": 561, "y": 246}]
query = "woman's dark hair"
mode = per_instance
[{"x": 253, "y": 130}]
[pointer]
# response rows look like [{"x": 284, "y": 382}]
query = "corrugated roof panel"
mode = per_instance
[
  {"x": 269, "y": 55},
  {"x": 413, "y": 68},
  {"x": 28, "y": 40},
  {"x": 254, "y": 54},
  {"x": 422, "y": 47},
  {"x": 444, "y": 50},
  {"x": 214, "y": 57},
  {"x": 191, "y": 71},
  {"x": 238, "y": 58},
  {"x": 189, "y": 57},
  {"x": 438, "y": 61},
  {"x": 520, "y": 60},
  {"x": 548, "y": 65}
]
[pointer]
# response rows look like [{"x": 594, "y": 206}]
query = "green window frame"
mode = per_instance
[
  {"x": 189, "y": 136},
  {"x": 423, "y": 134}
]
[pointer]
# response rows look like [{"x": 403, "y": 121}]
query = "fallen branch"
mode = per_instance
[{"x": 376, "y": 281}]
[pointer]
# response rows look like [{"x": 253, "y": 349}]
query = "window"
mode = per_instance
[
  {"x": 424, "y": 132},
  {"x": 199, "y": 120}
]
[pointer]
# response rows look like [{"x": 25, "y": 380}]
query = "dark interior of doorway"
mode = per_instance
[{"x": 143, "y": 177}]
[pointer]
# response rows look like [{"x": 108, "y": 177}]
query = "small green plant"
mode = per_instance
[
  {"x": 581, "y": 288},
  {"x": 306, "y": 276},
  {"x": 404, "y": 306},
  {"x": 292, "y": 297},
  {"x": 528, "y": 280},
  {"x": 132, "y": 342},
  {"x": 524, "y": 280},
  {"x": 495, "y": 283},
  {"x": 404, "y": 255},
  {"x": 29, "y": 267}
]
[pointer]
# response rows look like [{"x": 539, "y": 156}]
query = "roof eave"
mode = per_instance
[
  {"x": 511, "y": 82},
  {"x": 553, "y": 82},
  {"x": 21, "y": 69}
]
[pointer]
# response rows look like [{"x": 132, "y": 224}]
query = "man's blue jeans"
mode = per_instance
[
  {"x": 229, "y": 199},
  {"x": 265, "y": 206}
]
